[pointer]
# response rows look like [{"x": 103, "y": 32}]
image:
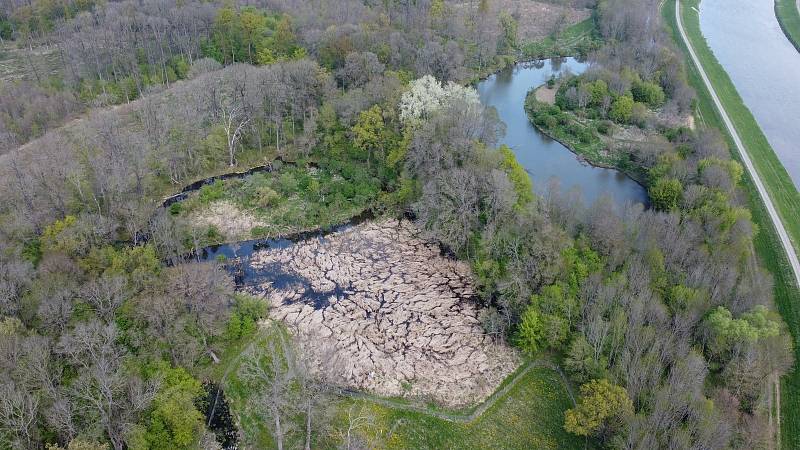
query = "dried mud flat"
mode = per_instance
[
  {"x": 378, "y": 309},
  {"x": 230, "y": 220}
]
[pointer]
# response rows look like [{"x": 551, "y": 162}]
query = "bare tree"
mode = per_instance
[
  {"x": 357, "y": 417},
  {"x": 106, "y": 294},
  {"x": 103, "y": 387},
  {"x": 234, "y": 119},
  {"x": 271, "y": 376}
]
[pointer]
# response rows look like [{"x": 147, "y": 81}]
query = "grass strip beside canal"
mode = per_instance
[
  {"x": 767, "y": 243},
  {"x": 788, "y": 14}
]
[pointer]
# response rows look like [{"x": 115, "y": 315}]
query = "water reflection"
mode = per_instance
[
  {"x": 542, "y": 157},
  {"x": 764, "y": 67}
]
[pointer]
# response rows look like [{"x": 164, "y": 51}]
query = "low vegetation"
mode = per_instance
[
  {"x": 288, "y": 200},
  {"x": 579, "y": 39}
]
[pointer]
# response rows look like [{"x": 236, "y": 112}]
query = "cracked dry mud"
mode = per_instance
[{"x": 377, "y": 308}]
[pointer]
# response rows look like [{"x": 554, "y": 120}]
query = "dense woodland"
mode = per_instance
[{"x": 662, "y": 316}]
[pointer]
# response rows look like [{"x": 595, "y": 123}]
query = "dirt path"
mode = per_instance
[
  {"x": 777, "y": 394},
  {"x": 478, "y": 411},
  {"x": 748, "y": 163}
]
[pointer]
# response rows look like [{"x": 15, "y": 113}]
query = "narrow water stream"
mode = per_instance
[{"x": 543, "y": 158}]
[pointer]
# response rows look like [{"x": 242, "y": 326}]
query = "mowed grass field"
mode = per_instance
[
  {"x": 530, "y": 415},
  {"x": 767, "y": 244},
  {"x": 789, "y": 19}
]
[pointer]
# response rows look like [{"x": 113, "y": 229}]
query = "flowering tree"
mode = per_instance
[{"x": 427, "y": 94}]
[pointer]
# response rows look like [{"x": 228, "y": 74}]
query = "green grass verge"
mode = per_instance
[
  {"x": 767, "y": 244},
  {"x": 788, "y": 16},
  {"x": 531, "y": 415}
]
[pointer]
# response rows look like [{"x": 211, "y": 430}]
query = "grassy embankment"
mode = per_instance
[
  {"x": 777, "y": 180},
  {"x": 788, "y": 14},
  {"x": 529, "y": 415}
]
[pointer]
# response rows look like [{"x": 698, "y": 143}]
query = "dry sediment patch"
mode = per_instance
[
  {"x": 379, "y": 309},
  {"x": 230, "y": 220}
]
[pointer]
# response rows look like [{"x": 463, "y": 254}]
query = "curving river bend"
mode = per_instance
[
  {"x": 542, "y": 157},
  {"x": 763, "y": 65}
]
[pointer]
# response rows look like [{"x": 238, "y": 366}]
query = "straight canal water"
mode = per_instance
[
  {"x": 541, "y": 156},
  {"x": 763, "y": 65}
]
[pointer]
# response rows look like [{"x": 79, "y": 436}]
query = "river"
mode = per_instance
[
  {"x": 541, "y": 156},
  {"x": 763, "y": 65}
]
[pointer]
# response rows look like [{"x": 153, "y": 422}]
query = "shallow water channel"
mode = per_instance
[
  {"x": 542, "y": 157},
  {"x": 763, "y": 65}
]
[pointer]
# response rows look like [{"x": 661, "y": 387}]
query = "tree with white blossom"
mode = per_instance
[{"x": 427, "y": 94}]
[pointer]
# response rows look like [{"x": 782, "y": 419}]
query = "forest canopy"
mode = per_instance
[{"x": 110, "y": 322}]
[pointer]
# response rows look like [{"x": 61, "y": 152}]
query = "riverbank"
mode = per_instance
[
  {"x": 589, "y": 148},
  {"x": 767, "y": 243},
  {"x": 576, "y": 40},
  {"x": 788, "y": 14}
]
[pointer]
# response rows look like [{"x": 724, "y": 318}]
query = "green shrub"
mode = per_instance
[
  {"x": 287, "y": 183},
  {"x": 175, "y": 208},
  {"x": 247, "y": 312},
  {"x": 648, "y": 92},
  {"x": 665, "y": 193},
  {"x": 597, "y": 91},
  {"x": 530, "y": 332},
  {"x": 605, "y": 127},
  {"x": 621, "y": 109},
  {"x": 266, "y": 197},
  {"x": 213, "y": 234},
  {"x": 585, "y": 136},
  {"x": 212, "y": 192}
]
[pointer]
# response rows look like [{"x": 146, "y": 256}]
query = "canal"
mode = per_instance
[{"x": 763, "y": 65}]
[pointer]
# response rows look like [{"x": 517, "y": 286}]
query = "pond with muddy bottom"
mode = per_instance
[{"x": 378, "y": 308}]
